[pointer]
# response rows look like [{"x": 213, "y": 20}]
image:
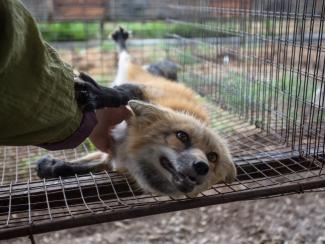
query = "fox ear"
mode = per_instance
[{"x": 145, "y": 110}]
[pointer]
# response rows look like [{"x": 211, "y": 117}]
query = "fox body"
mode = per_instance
[{"x": 166, "y": 146}]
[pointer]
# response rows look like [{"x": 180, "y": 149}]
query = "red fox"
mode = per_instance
[{"x": 166, "y": 146}]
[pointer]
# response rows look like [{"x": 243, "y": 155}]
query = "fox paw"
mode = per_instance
[
  {"x": 120, "y": 34},
  {"x": 49, "y": 167}
]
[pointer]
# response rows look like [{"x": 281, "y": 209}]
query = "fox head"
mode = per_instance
[{"x": 172, "y": 153}]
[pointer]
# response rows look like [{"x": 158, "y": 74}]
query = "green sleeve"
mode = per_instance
[{"x": 37, "y": 103}]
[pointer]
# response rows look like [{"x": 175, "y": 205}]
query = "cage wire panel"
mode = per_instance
[{"x": 259, "y": 67}]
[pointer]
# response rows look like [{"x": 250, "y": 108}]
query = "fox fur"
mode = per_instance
[{"x": 167, "y": 145}]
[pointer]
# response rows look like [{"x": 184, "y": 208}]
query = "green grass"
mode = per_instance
[
  {"x": 69, "y": 31},
  {"x": 91, "y": 147},
  {"x": 81, "y": 31},
  {"x": 186, "y": 58},
  {"x": 161, "y": 29},
  {"x": 108, "y": 46},
  {"x": 240, "y": 95}
]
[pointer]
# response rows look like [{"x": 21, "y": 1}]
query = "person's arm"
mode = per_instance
[
  {"x": 42, "y": 102},
  {"x": 37, "y": 97}
]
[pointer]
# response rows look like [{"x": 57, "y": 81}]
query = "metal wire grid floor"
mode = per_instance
[{"x": 266, "y": 168}]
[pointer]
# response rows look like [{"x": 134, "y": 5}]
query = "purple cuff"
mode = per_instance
[{"x": 87, "y": 124}]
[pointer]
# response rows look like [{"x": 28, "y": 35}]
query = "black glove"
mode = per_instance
[{"x": 91, "y": 96}]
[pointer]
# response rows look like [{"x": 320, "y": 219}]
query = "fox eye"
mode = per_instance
[
  {"x": 212, "y": 156},
  {"x": 183, "y": 136}
]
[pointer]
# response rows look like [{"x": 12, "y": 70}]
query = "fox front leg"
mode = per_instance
[{"x": 49, "y": 167}]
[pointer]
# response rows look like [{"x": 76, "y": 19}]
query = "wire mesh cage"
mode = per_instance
[{"x": 258, "y": 65}]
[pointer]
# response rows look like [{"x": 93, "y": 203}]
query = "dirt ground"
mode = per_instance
[{"x": 291, "y": 219}]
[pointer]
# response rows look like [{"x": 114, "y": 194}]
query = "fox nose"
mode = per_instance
[{"x": 201, "y": 168}]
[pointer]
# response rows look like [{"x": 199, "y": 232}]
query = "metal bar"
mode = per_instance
[
  {"x": 89, "y": 219},
  {"x": 121, "y": 187}
]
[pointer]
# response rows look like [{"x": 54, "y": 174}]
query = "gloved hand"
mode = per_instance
[
  {"x": 109, "y": 104},
  {"x": 91, "y": 96}
]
